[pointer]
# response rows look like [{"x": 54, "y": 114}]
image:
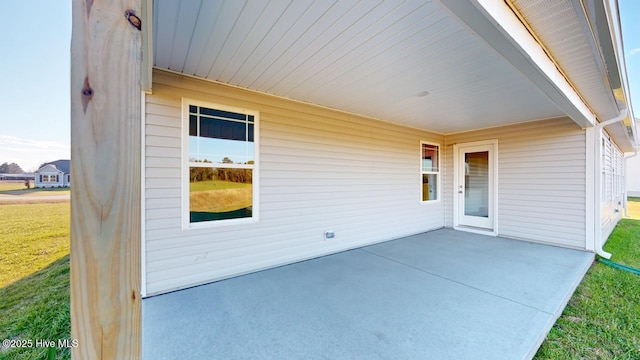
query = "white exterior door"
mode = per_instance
[{"x": 475, "y": 185}]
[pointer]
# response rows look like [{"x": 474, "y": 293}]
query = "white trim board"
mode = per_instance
[{"x": 143, "y": 195}]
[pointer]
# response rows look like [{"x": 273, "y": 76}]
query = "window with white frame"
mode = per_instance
[
  {"x": 430, "y": 171},
  {"x": 621, "y": 180},
  {"x": 612, "y": 180},
  {"x": 220, "y": 182},
  {"x": 606, "y": 171},
  {"x": 48, "y": 178},
  {"x": 619, "y": 173},
  {"x": 614, "y": 173}
]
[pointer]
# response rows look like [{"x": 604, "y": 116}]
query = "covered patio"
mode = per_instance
[{"x": 443, "y": 294}]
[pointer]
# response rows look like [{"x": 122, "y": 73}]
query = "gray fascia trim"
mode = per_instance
[
  {"x": 581, "y": 12},
  {"x": 598, "y": 20}
]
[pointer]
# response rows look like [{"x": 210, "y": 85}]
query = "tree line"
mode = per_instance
[
  {"x": 12, "y": 168},
  {"x": 244, "y": 176}
]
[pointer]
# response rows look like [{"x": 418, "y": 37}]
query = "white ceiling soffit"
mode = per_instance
[
  {"x": 579, "y": 37},
  {"x": 409, "y": 62},
  {"x": 565, "y": 33}
]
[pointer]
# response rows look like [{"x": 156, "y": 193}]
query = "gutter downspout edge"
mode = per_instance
[{"x": 598, "y": 242}]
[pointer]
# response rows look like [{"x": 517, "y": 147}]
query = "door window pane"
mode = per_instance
[{"x": 476, "y": 183}]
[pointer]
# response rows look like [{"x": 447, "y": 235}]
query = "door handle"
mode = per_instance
[{"x": 460, "y": 192}]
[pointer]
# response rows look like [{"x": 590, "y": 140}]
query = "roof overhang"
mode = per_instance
[
  {"x": 496, "y": 23},
  {"x": 604, "y": 18},
  {"x": 583, "y": 39},
  {"x": 445, "y": 66}
]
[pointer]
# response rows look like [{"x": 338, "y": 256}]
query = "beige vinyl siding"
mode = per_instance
[
  {"x": 320, "y": 170},
  {"x": 541, "y": 180},
  {"x": 612, "y": 192}
]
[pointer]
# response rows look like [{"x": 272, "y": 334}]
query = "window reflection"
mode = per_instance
[
  {"x": 220, "y": 137},
  {"x": 220, "y": 193}
]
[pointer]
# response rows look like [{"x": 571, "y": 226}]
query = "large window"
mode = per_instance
[
  {"x": 221, "y": 163},
  {"x": 430, "y": 171},
  {"x": 607, "y": 170}
]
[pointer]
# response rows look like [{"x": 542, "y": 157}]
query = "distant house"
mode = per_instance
[
  {"x": 632, "y": 175},
  {"x": 54, "y": 174}
]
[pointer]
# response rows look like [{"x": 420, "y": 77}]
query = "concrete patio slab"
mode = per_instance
[{"x": 442, "y": 295}]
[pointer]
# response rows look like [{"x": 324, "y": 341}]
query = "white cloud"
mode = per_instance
[
  {"x": 634, "y": 51},
  {"x": 30, "y": 153}
]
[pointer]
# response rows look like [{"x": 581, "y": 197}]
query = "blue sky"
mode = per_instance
[
  {"x": 34, "y": 77},
  {"x": 34, "y": 81},
  {"x": 630, "y": 19}
]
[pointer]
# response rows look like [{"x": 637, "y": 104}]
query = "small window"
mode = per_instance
[
  {"x": 221, "y": 167},
  {"x": 430, "y": 171}
]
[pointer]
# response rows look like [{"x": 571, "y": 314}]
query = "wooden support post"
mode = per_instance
[{"x": 106, "y": 47}]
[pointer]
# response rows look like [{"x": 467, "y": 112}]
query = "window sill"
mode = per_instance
[
  {"x": 430, "y": 202},
  {"x": 187, "y": 226}
]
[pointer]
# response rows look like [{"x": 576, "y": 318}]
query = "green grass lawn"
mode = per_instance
[
  {"x": 34, "y": 192},
  {"x": 217, "y": 197},
  {"x": 602, "y": 319},
  {"x": 34, "y": 277},
  {"x": 12, "y": 185},
  {"x": 32, "y": 236}
]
